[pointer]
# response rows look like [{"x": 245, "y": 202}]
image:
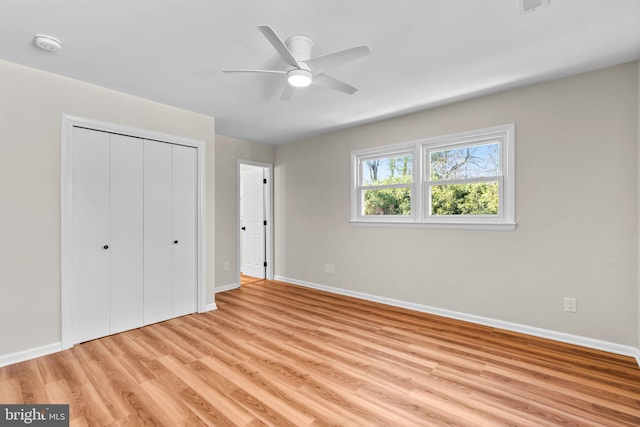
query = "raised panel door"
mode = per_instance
[{"x": 253, "y": 248}]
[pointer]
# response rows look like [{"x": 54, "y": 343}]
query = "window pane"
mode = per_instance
[
  {"x": 467, "y": 162},
  {"x": 465, "y": 199},
  {"x": 387, "y": 170},
  {"x": 388, "y": 201}
]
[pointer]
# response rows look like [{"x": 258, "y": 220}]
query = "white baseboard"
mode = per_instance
[
  {"x": 210, "y": 307},
  {"x": 225, "y": 288},
  {"x": 595, "y": 344},
  {"x": 32, "y": 353}
]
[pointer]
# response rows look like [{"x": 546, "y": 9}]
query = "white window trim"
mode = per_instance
[{"x": 420, "y": 217}]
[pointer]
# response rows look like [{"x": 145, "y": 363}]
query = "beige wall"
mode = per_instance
[
  {"x": 31, "y": 105},
  {"x": 576, "y": 209},
  {"x": 228, "y": 152}
]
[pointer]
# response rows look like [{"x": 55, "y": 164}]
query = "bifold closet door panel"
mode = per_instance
[
  {"x": 126, "y": 233},
  {"x": 185, "y": 230},
  {"x": 90, "y": 234},
  {"x": 158, "y": 242}
]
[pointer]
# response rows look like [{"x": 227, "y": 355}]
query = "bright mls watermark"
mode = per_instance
[{"x": 34, "y": 415}]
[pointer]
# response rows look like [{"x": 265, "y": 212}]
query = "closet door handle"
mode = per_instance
[
  {"x": 243, "y": 228},
  {"x": 105, "y": 247},
  {"x": 175, "y": 242}
]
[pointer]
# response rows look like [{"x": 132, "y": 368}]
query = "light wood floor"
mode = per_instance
[
  {"x": 247, "y": 280},
  {"x": 277, "y": 354}
]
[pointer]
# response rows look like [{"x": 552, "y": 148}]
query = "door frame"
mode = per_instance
[
  {"x": 67, "y": 330},
  {"x": 268, "y": 202}
]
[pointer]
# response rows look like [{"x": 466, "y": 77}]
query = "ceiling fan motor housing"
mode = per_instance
[{"x": 300, "y": 47}]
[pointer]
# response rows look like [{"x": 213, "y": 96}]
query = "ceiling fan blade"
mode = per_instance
[
  {"x": 279, "y": 45},
  {"x": 331, "y": 83},
  {"x": 254, "y": 71},
  {"x": 321, "y": 63},
  {"x": 287, "y": 93}
]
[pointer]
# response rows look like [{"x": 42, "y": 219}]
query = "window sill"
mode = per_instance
[{"x": 479, "y": 226}]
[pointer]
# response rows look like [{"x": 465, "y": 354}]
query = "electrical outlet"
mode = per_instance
[
  {"x": 329, "y": 268},
  {"x": 226, "y": 266},
  {"x": 570, "y": 305}
]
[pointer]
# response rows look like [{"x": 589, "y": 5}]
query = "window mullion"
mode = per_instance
[
  {"x": 384, "y": 186},
  {"x": 463, "y": 180}
]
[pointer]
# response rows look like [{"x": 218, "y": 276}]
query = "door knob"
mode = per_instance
[
  {"x": 243, "y": 228},
  {"x": 105, "y": 247},
  {"x": 175, "y": 242}
]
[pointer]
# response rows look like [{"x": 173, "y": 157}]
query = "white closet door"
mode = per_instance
[
  {"x": 126, "y": 233},
  {"x": 185, "y": 214},
  {"x": 158, "y": 242},
  {"x": 134, "y": 232},
  {"x": 91, "y": 246}
]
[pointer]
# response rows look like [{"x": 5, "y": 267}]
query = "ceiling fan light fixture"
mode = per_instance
[{"x": 299, "y": 78}]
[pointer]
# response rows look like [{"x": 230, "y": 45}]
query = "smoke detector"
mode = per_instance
[
  {"x": 528, "y": 6},
  {"x": 48, "y": 43}
]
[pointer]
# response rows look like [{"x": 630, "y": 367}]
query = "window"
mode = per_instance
[
  {"x": 385, "y": 184},
  {"x": 463, "y": 181}
]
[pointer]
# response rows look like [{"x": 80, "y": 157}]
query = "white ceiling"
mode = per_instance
[{"x": 424, "y": 52}]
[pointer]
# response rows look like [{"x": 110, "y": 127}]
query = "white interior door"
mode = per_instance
[
  {"x": 185, "y": 229},
  {"x": 90, "y": 235},
  {"x": 131, "y": 220},
  {"x": 107, "y": 210},
  {"x": 126, "y": 231},
  {"x": 158, "y": 234},
  {"x": 253, "y": 247}
]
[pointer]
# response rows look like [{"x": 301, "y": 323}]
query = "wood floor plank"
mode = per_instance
[
  {"x": 228, "y": 409},
  {"x": 88, "y": 404},
  {"x": 275, "y": 354},
  {"x": 186, "y": 395},
  {"x": 10, "y": 391}
]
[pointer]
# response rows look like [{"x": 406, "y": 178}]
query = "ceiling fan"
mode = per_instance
[{"x": 302, "y": 70}]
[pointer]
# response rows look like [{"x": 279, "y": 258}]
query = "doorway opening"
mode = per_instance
[{"x": 255, "y": 229}]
